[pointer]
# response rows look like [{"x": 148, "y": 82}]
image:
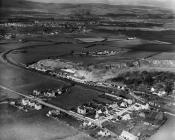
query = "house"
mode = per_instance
[
  {"x": 24, "y": 102},
  {"x": 70, "y": 71},
  {"x": 96, "y": 115},
  {"x": 137, "y": 107},
  {"x": 99, "y": 111},
  {"x": 36, "y": 92},
  {"x": 50, "y": 94},
  {"x": 125, "y": 135},
  {"x": 121, "y": 86},
  {"x": 87, "y": 124},
  {"x": 141, "y": 107},
  {"x": 106, "y": 112},
  {"x": 126, "y": 117},
  {"x": 38, "y": 106},
  {"x": 131, "y": 38},
  {"x": 145, "y": 107},
  {"x": 129, "y": 101},
  {"x": 53, "y": 113},
  {"x": 81, "y": 110},
  {"x": 123, "y": 104},
  {"x": 141, "y": 114},
  {"x": 104, "y": 133},
  {"x": 113, "y": 105},
  {"x": 32, "y": 104},
  {"x": 173, "y": 91},
  {"x": 59, "y": 91},
  {"x": 152, "y": 89},
  {"x": 161, "y": 93}
]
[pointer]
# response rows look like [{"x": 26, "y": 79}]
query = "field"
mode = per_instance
[
  {"x": 19, "y": 125},
  {"x": 39, "y": 51},
  {"x": 165, "y": 56},
  {"x": 76, "y": 97}
]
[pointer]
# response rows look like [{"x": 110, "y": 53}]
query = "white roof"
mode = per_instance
[
  {"x": 128, "y": 136},
  {"x": 69, "y": 70}
]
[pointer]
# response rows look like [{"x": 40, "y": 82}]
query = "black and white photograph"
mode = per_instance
[{"x": 87, "y": 69}]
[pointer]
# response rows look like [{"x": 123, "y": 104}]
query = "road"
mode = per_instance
[
  {"x": 171, "y": 114},
  {"x": 156, "y": 107},
  {"x": 8, "y": 61},
  {"x": 71, "y": 113},
  {"x": 118, "y": 114}
]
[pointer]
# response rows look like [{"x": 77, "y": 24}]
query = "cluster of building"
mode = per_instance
[
  {"x": 9, "y": 36},
  {"x": 104, "y": 133},
  {"x": 53, "y": 113},
  {"x": 103, "y": 53},
  {"x": 110, "y": 84},
  {"x": 119, "y": 65},
  {"x": 43, "y": 26},
  {"x": 33, "y": 104},
  {"x": 68, "y": 74},
  {"x": 125, "y": 135},
  {"x": 47, "y": 92},
  {"x": 160, "y": 93},
  {"x": 101, "y": 111},
  {"x": 155, "y": 62},
  {"x": 26, "y": 104},
  {"x": 98, "y": 112},
  {"x": 14, "y": 24},
  {"x": 131, "y": 38}
]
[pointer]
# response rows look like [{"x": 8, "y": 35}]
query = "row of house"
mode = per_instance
[
  {"x": 47, "y": 92},
  {"x": 29, "y": 103}
]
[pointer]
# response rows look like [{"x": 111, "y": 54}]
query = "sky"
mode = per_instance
[{"x": 159, "y": 3}]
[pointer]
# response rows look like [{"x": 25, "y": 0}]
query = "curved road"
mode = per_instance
[{"x": 6, "y": 60}]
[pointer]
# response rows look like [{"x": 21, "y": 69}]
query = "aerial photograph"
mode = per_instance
[{"x": 87, "y": 69}]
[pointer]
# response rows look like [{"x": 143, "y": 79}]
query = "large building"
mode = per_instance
[{"x": 128, "y": 136}]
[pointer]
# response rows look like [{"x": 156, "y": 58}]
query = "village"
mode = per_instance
[
  {"x": 14, "y": 26},
  {"x": 127, "y": 107},
  {"x": 154, "y": 93},
  {"x": 99, "y": 116}
]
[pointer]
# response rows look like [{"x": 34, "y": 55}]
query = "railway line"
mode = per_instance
[{"x": 71, "y": 113}]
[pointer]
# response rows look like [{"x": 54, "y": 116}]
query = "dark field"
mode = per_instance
[
  {"x": 36, "y": 53},
  {"x": 77, "y": 96},
  {"x": 18, "y": 79},
  {"x": 154, "y": 48}
]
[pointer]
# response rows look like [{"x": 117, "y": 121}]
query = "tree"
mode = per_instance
[
  {"x": 169, "y": 87},
  {"x": 72, "y": 52},
  {"x": 2, "y": 32}
]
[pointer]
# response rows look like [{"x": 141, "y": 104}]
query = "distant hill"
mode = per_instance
[
  {"x": 18, "y": 4},
  {"x": 67, "y": 9}
]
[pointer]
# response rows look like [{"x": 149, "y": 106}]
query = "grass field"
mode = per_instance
[
  {"x": 77, "y": 96},
  {"x": 19, "y": 125}
]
